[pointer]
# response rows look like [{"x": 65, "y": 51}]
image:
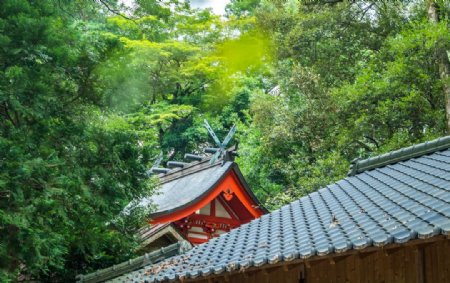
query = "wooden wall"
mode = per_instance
[{"x": 422, "y": 263}]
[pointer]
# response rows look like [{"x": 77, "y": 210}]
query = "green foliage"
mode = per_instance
[
  {"x": 397, "y": 93},
  {"x": 242, "y": 7},
  {"x": 355, "y": 79},
  {"x": 68, "y": 169}
]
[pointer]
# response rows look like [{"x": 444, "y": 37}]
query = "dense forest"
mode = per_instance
[{"x": 91, "y": 91}]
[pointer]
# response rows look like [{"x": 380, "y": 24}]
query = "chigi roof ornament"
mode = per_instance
[
  {"x": 216, "y": 153},
  {"x": 157, "y": 170},
  {"x": 220, "y": 151}
]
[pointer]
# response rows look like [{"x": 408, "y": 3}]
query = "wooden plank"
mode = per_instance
[
  {"x": 296, "y": 273},
  {"x": 377, "y": 268},
  {"x": 446, "y": 250},
  {"x": 428, "y": 258},
  {"x": 398, "y": 258},
  {"x": 433, "y": 262},
  {"x": 302, "y": 274},
  {"x": 331, "y": 271},
  {"x": 362, "y": 266},
  {"x": 444, "y": 259},
  {"x": 370, "y": 268},
  {"x": 341, "y": 269},
  {"x": 350, "y": 269},
  {"x": 419, "y": 264},
  {"x": 387, "y": 265},
  {"x": 356, "y": 269}
]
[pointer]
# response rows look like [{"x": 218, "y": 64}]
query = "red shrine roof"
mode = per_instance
[{"x": 185, "y": 190}]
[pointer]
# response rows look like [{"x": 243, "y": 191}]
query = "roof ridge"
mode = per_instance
[
  {"x": 188, "y": 165},
  {"x": 195, "y": 166},
  {"x": 417, "y": 150},
  {"x": 188, "y": 170}
]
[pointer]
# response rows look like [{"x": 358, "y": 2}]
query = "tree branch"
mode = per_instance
[
  {"x": 365, "y": 146},
  {"x": 8, "y": 116},
  {"x": 114, "y": 11},
  {"x": 366, "y": 10},
  {"x": 373, "y": 141}
]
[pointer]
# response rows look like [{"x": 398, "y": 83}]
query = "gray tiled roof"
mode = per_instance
[
  {"x": 183, "y": 186},
  {"x": 391, "y": 204}
]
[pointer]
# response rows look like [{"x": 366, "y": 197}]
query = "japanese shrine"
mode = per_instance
[
  {"x": 200, "y": 199},
  {"x": 203, "y": 200}
]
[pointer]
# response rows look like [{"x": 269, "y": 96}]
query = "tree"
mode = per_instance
[
  {"x": 434, "y": 10},
  {"x": 67, "y": 167}
]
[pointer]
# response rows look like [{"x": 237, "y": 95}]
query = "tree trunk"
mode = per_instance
[{"x": 442, "y": 61}]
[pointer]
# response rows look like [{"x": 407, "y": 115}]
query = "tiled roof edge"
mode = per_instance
[
  {"x": 134, "y": 264},
  {"x": 359, "y": 166}
]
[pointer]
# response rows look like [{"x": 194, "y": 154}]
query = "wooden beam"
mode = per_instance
[
  {"x": 214, "y": 219},
  {"x": 226, "y": 206},
  {"x": 212, "y": 208},
  {"x": 307, "y": 264}
]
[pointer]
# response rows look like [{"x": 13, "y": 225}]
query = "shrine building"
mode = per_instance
[{"x": 197, "y": 201}]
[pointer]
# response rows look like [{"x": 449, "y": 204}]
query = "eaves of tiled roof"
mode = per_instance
[
  {"x": 135, "y": 264},
  {"x": 378, "y": 207}
]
